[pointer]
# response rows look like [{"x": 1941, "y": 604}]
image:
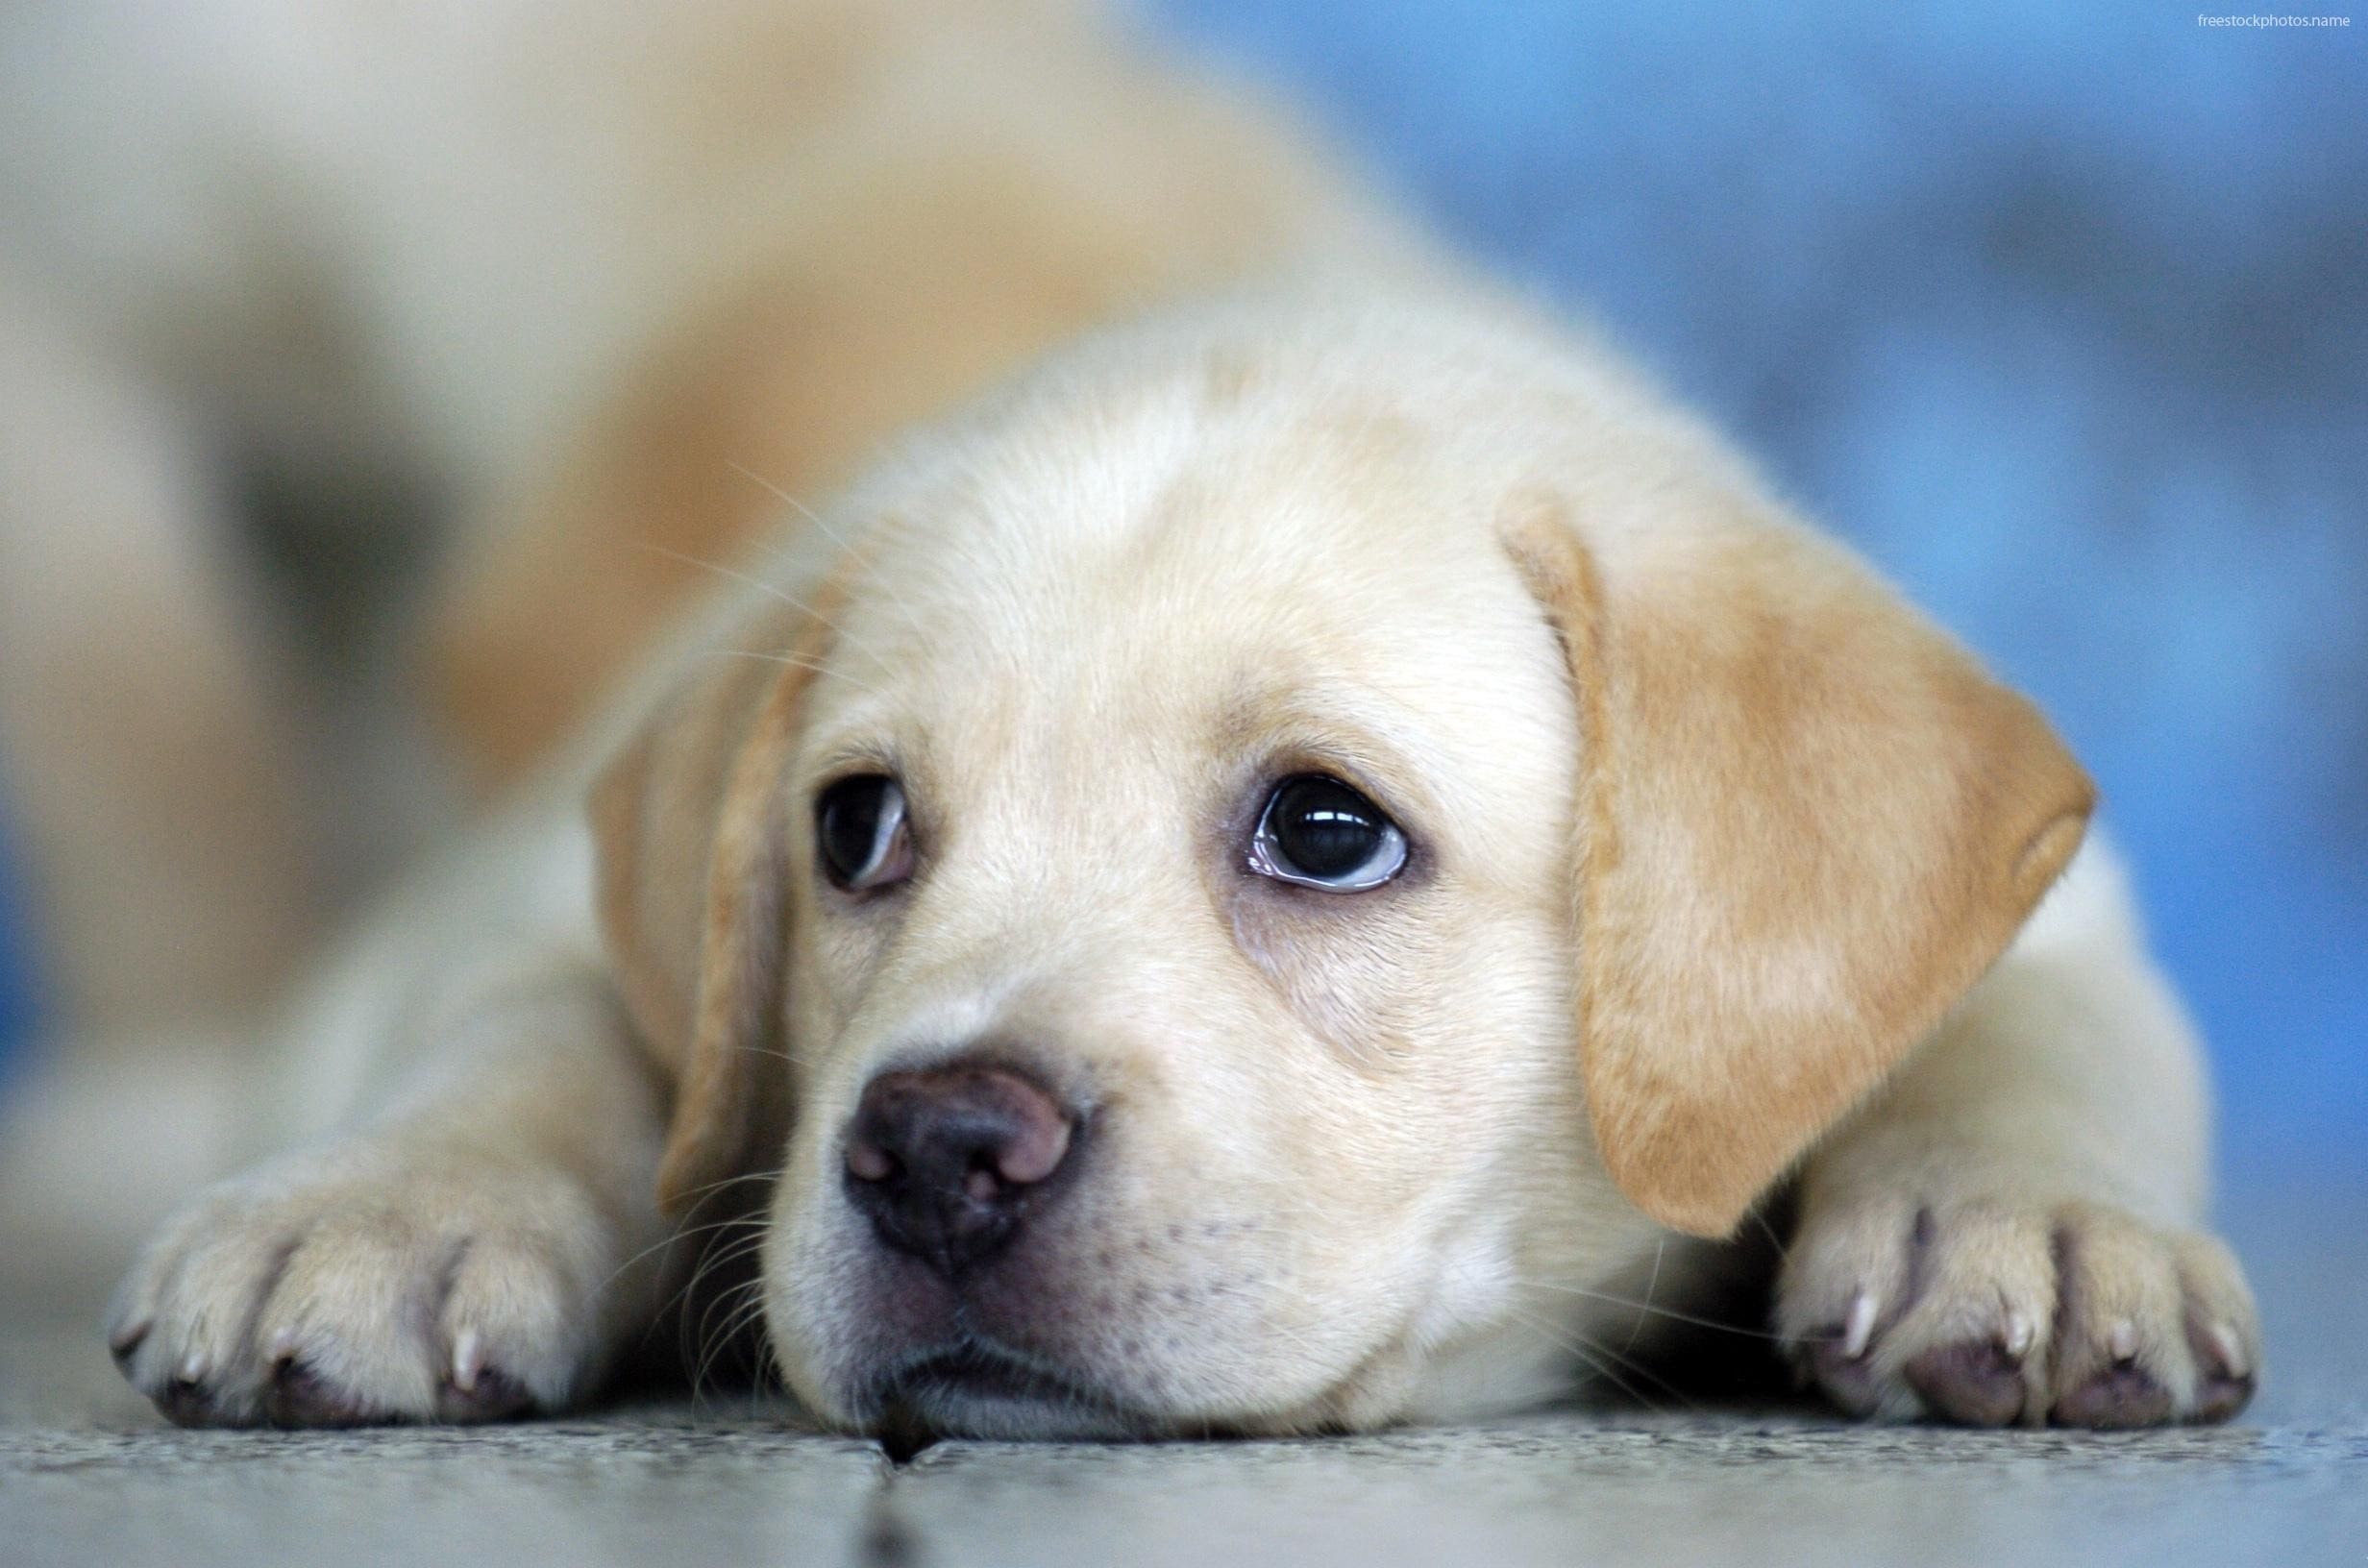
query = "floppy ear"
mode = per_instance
[
  {"x": 1808, "y": 823},
  {"x": 690, "y": 828}
]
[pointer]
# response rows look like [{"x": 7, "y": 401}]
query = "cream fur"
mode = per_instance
[
  {"x": 1352, "y": 1180},
  {"x": 1722, "y": 854}
]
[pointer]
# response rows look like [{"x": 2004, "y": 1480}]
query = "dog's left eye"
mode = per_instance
[
  {"x": 1318, "y": 832},
  {"x": 859, "y": 827}
]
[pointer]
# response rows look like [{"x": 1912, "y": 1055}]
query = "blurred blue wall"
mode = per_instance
[
  {"x": 2060, "y": 313},
  {"x": 16, "y": 1009}
]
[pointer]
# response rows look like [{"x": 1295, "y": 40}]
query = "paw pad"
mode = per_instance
[
  {"x": 1975, "y": 1383},
  {"x": 2122, "y": 1395},
  {"x": 301, "y": 1396}
]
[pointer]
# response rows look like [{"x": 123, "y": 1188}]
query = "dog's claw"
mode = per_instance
[
  {"x": 2228, "y": 1352},
  {"x": 468, "y": 1360},
  {"x": 1859, "y": 1327},
  {"x": 475, "y": 1390},
  {"x": 2122, "y": 1342}
]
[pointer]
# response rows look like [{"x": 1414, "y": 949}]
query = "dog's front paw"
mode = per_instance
[
  {"x": 370, "y": 1284},
  {"x": 1992, "y": 1311}
]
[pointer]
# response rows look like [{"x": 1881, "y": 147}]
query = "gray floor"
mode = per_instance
[{"x": 87, "y": 1475}]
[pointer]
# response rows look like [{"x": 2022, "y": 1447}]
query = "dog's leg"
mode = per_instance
[
  {"x": 485, "y": 1247},
  {"x": 141, "y": 744},
  {"x": 2009, "y": 1231}
]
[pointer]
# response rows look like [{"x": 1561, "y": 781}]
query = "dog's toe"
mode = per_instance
[
  {"x": 1945, "y": 1309},
  {"x": 2223, "y": 1377},
  {"x": 2222, "y": 1328}
]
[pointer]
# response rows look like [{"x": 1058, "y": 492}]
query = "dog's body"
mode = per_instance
[
  {"x": 956, "y": 922},
  {"x": 1331, "y": 1160},
  {"x": 570, "y": 271}
]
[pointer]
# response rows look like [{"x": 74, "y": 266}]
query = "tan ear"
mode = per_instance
[
  {"x": 690, "y": 827},
  {"x": 1809, "y": 822}
]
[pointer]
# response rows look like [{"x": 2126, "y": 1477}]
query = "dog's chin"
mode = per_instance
[{"x": 977, "y": 1390}]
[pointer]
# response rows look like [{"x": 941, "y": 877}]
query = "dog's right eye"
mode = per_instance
[
  {"x": 1317, "y": 832},
  {"x": 859, "y": 827}
]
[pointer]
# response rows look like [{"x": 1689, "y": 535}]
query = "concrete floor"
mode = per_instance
[{"x": 89, "y": 1477}]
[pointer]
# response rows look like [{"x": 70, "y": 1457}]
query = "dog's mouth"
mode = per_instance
[{"x": 975, "y": 1389}]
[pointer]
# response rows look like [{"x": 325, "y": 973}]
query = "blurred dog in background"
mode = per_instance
[
  {"x": 376, "y": 367},
  {"x": 378, "y": 379}
]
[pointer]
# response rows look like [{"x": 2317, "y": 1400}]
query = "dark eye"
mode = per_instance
[
  {"x": 859, "y": 827},
  {"x": 1320, "y": 833}
]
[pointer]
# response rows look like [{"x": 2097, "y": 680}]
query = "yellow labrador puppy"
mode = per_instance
[{"x": 1268, "y": 878}]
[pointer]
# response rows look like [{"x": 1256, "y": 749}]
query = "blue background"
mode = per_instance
[
  {"x": 2059, "y": 311},
  {"x": 17, "y": 1012}
]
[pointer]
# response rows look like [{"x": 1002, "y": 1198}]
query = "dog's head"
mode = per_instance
[{"x": 1275, "y": 848}]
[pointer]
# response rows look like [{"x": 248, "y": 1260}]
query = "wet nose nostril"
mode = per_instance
[
  {"x": 867, "y": 1160},
  {"x": 1036, "y": 1153},
  {"x": 944, "y": 1162}
]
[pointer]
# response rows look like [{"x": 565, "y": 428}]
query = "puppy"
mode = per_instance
[
  {"x": 505, "y": 294},
  {"x": 1289, "y": 871}
]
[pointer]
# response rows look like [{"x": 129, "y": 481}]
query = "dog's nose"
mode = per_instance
[{"x": 944, "y": 1162}]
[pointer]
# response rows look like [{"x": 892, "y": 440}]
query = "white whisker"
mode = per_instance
[
  {"x": 1648, "y": 1307},
  {"x": 1660, "y": 1250},
  {"x": 772, "y": 591},
  {"x": 832, "y": 534},
  {"x": 1599, "y": 1358},
  {"x": 789, "y": 659}
]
